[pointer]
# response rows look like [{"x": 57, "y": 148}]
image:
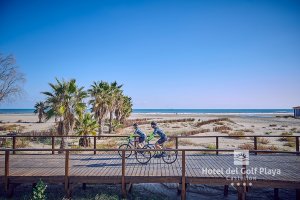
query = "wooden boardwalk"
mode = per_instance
[{"x": 107, "y": 168}]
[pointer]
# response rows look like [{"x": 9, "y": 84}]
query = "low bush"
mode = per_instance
[
  {"x": 263, "y": 140},
  {"x": 198, "y": 124},
  {"x": 287, "y": 139},
  {"x": 236, "y": 134},
  {"x": 222, "y": 128},
  {"x": 289, "y": 144},
  {"x": 262, "y": 147}
]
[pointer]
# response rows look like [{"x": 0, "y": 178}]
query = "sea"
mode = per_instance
[{"x": 180, "y": 111}]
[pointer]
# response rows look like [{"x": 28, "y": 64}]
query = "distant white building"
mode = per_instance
[{"x": 297, "y": 112}]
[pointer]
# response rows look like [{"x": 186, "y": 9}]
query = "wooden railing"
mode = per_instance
[
  {"x": 175, "y": 138},
  {"x": 241, "y": 191}
]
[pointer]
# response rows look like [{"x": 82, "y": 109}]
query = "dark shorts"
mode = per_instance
[
  {"x": 162, "y": 140},
  {"x": 141, "y": 139}
]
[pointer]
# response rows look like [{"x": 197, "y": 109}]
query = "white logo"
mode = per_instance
[{"x": 241, "y": 157}]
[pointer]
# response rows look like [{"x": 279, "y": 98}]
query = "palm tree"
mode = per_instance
[
  {"x": 126, "y": 108},
  {"x": 40, "y": 109},
  {"x": 114, "y": 94},
  {"x": 65, "y": 102},
  {"x": 85, "y": 126},
  {"x": 123, "y": 109},
  {"x": 99, "y": 93}
]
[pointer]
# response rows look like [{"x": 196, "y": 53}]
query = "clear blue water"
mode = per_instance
[
  {"x": 170, "y": 111},
  {"x": 223, "y": 111}
]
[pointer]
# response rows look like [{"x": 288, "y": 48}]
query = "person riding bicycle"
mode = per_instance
[
  {"x": 162, "y": 137},
  {"x": 141, "y": 134}
]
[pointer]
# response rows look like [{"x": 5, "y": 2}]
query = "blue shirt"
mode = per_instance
[
  {"x": 159, "y": 132},
  {"x": 140, "y": 133}
]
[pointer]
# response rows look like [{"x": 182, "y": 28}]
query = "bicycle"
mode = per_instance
[
  {"x": 142, "y": 157},
  {"x": 168, "y": 157},
  {"x": 126, "y": 146}
]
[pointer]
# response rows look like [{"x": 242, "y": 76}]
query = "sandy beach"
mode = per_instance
[{"x": 233, "y": 124}]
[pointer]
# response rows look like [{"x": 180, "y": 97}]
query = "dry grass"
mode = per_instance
[
  {"x": 279, "y": 129},
  {"x": 222, "y": 128},
  {"x": 129, "y": 123},
  {"x": 170, "y": 144},
  {"x": 263, "y": 140},
  {"x": 289, "y": 144},
  {"x": 22, "y": 142},
  {"x": 294, "y": 130},
  {"x": 199, "y": 124},
  {"x": 220, "y": 123},
  {"x": 189, "y": 132},
  {"x": 287, "y": 139},
  {"x": 211, "y": 146},
  {"x": 259, "y": 147},
  {"x": 12, "y": 127},
  {"x": 186, "y": 142},
  {"x": 109, "y": 144},
  {"x": 237, "y": 133},
  {"x": 246, "y": 130}
]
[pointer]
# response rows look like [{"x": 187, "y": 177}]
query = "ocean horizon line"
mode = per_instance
[{"x": 176, "y": 111}]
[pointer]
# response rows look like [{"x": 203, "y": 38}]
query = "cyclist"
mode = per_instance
[
  {"x": 162, "y": 138},
  {"x": 142, "y": 135}
]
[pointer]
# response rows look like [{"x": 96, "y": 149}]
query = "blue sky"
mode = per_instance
[{"x": 168, "y": 54}]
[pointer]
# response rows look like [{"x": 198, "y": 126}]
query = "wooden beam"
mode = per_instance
[
  {"x": 217, "y": 145},
  {"x": 276, "y": 194},
  {"x": 6, "y": 172},
  {"x": 183, "y": 180},
  {"x": 53, "y": 144},
  {"x": 67, "y": 162},
  {"x": 14, "y": 144},
  {"x": 297, "y": 145},
  {"x": 176, "y": 142},
  {"x": 225, "y": 190},
  {"x": 95, "y": 145},
  {"x": 255, "y": 144},
  {"x": 123, "y": 175}
]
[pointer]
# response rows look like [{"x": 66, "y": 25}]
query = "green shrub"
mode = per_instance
[{"x": 39, "y": 191}]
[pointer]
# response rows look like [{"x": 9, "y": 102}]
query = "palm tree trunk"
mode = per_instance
[
  {"x": 110, "y": 121},
  {"x": 60, "y": 131},
  {"x": 100, "y": 122},
  {"x": 40, "y": 117}
]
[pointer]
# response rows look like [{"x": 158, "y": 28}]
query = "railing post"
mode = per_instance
[
  {"x": 95, "y": 144},
  {"x": 297, "y": 145},
  {"x": 183, "y": 182},
  {"x": 14, "y": 144},
  {"x": 67, "y": 162},
  {"x": 217, "y": 145},
  {"x": 255, "y": 144},
  {"x": 53, "y": 144},
  {"x": 242, "y": 189},
  {"x": 176, "y": 142},
  {"x": 123, "y": 175},
  {"x": 6, "y": 173}
]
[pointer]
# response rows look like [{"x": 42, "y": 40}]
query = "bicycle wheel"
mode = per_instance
[
  {"x": 170, "y": 156},
  {"x": 143, "y": 157},
  {"x": 153, "y": 153},
  {"x": 126, "y": 147}
]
